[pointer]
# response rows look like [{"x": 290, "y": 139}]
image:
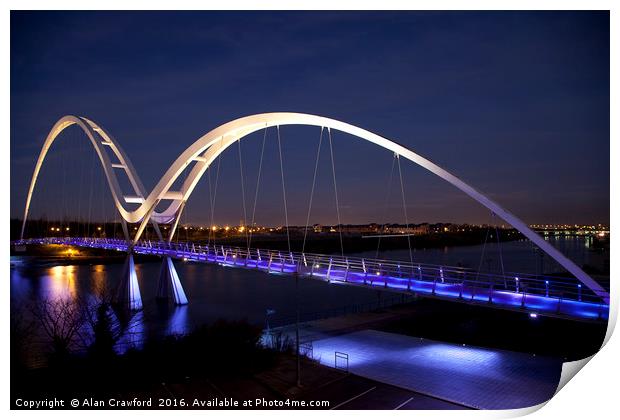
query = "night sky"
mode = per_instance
[{"x": 515, "y": 103}]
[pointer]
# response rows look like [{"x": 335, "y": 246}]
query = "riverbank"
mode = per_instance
[
  {"x": 35, "y": 255},
  {"x": 460, "y": 323}
]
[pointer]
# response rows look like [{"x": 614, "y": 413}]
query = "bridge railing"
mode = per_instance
[{"x": 441, "y": 280}]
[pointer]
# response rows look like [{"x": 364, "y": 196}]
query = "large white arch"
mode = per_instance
[{"x": 208, "y": 147}]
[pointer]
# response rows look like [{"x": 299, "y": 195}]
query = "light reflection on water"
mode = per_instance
[
  {"x": 214, "y": 293},
  {"x": 178, "y": 321},
  {"x": 62, "y": 284}
]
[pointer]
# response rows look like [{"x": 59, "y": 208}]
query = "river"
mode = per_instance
[{"x": 217, "y": 292}]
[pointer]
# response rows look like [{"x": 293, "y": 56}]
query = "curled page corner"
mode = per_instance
[
  {"x": 570, "y": 369},
  {"x": 518, "y": 412}
]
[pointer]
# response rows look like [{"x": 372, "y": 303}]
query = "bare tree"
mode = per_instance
[{"x": 61, "y": 320}]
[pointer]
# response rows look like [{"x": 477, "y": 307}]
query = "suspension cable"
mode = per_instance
[
  {"x": 210, "y": 205},
  {"x": 183, "y": 212},
  {"x": 387, "y": 200},
  {"x": 64, "y": 190},
  {"x": 331, "y": 152},
  {"x": 486, "y": 237},
  {"x": 402, "y": 190},
  {"x": 217, "y": 177},
  {"x": 79, "y": 200},
  {"x": 260, "y": 169},
  {"x": 245, "y": 215},
  {"x": 499, "y": 249},
  {"x": 288, "y": 237},
  {"x": 90, "y": 195},
  {"x": 101, "y": 194},
  {"x": 316, "y": 166}
]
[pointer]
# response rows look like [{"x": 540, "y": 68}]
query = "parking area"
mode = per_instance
[{"x": 357, "y": 393}]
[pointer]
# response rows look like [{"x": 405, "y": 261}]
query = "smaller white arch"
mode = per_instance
[
  {"x": 100, "y": 140},
  {"x": 88, "y": 127}
]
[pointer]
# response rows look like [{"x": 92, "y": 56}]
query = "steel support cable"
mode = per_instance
[
  {"x": 63, "y": 205},
  {"x": 86, "y": 191},
  {"x": 82, "y": 224},
  {"x": 184, "y": 215},
  {"x": 217, "y": 178},
  {"x": 90, "y": 195},
  {"x": 46, "y": 195},
  {"x": 210, "y": 205},
  {"x": 288, "y": 237},
  {"x": 58, "y": 199},
  {"x": 114, "y": 225},
  {"x": 260, "y": 169},
  {"x": 316, "y": 167},
  {"x": 103, "y": 212},
  {"x": 486, "y": 237},
  {"x": 402, "y": 190},
  {"x": 183, "y": 212},
  {"x": 64, "y": 190},
  {"x": 112, "y": 216},
  {"x": 499, "y": 249},
  {"x": 331, "y": 152},
  {"x": 79, "y": 200},
  {"x": 387, "y": 200},
  {"x": 45, "y": 219},
  {"x": 245, "y": 215}
]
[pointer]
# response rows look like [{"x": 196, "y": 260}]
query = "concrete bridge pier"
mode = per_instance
[
  {"x": 128, "y": 291},
  {"x": 169, "y": 283}
]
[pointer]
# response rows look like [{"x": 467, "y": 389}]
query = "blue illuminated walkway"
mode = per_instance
[
  {"x": 551, "y": 296},
  {"x": 473, "y": 376}
]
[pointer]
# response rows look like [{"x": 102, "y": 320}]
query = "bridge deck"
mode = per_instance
[{"x": 552, "y": 296}]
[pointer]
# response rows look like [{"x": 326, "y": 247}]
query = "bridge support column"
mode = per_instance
[
  {"x": 128, "y": 292},
  {"x": 169, "y": 283}
]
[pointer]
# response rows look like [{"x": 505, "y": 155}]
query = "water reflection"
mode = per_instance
[
  {"x": 217, "y": 292},
  {"x": 133, "y": 331},
  {"x": 62, "y": 284},
  {"x": 98, "y": 280},
  {"x": 178, "y": 321}
]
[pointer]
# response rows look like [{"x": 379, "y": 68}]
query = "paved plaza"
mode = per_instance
[{"x": 476, "y": 377}]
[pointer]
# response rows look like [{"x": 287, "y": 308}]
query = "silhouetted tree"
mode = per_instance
[
  {"x": 61, "y": 320},
  {"x": 107, "y": 328}
]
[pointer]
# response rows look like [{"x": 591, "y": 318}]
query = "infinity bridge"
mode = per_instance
[
  {"x": 553, "y": 296},
  {"x": 580, "y": 297}
]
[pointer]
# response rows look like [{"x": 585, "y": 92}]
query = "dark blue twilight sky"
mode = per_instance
[{"x": 515, "y": 103}]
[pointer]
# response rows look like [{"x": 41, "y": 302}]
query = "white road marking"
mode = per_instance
[
  {"x": 353, "y": 398},
  {"x": 400, "y": 405}
]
